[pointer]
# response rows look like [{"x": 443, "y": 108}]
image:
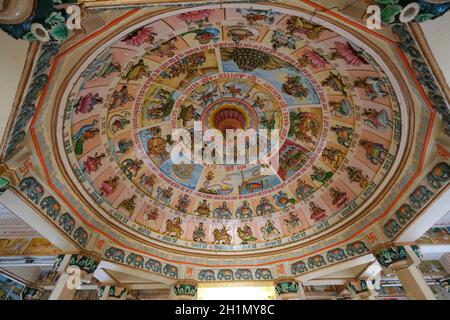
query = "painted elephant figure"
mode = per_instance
[
  {"x": 404, "y": 213},
  {"x": 336, "y": 255},
  {"x": 420, "y": 196},
  {"x": 153, "y": 265},
  {"x": 135, "y": 260},
  {"x": 244, "y": 274},
  {"x": 357, "y": 247},
  {"x": 225, "y": 274},
  {"x": 34, "y": 189},
  {"x": 170, "y": 271},
  {"x": 298, "y": 267},
  {"x": 80, "y": 235},
  {"x": 206, "y": 275},
  {"x": 67, "y": 222},
  {"x": 51, "y": 206},
  {"x": 263, "y": 274},
  {"x": 316, "y": 262},
  {"x": 439, "y": 175},
  {"x": 115, "y": 254},
  {"x": 391, "y": 228}
]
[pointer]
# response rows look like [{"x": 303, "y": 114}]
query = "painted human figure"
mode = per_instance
[{"x": 317, "y": 213}]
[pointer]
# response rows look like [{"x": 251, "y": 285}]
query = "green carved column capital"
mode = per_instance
[
  {"x": 31, "y": 293},
  {"x": 395, "y": 257},
  {"x": 288, "y": 288},
  {"x": 4, "y": 184},
  {"x": 185, "y": 290}
]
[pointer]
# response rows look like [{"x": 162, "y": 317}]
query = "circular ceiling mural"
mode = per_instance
[{"x": 230, "y": 68}]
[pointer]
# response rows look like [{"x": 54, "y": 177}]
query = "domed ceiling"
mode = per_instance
[{"x": 330, "y": 96}]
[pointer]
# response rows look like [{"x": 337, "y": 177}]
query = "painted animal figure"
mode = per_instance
[
  {"x": 263, "y": 274},
  {"x": 51, "y": 206},
  {"x": 225, "y": 274},
  {"x": 316, "y": 262},
  {"x": 206, "y": 275},
  {"x": 298, "y": 267},
  {"x": 135, "y": 260},
  {"x": 173, "y": 228},
  {"x": 35, "y": 191},
  {"x": 420, "y": 196},
  {"x": 153, "y": 265},
  {"x": 221, "y": 236},
  {"x": 137, "y": 72},
  {"x": 67, "y": 222},
  {"x": 170, "y": 271},
  {"x": 244, "y": 274},
  {"x": 81, "y": 236},
  {"x": 373, "y": 86},
  {"x": 115, "y": 254},
  {"x": 404, "y": 213},
  {"x": 439, "y": 175}
]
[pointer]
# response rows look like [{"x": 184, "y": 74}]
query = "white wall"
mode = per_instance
[
  {"x": 12, "y": 60},
  {"x": 437, "y": 33}
]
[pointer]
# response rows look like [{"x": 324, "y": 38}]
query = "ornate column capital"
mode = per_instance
[
  {"x": 361, "y": 289},
  {"x": 86, "y": 262},
  {"x": 185, "y": 290},
  {"x": 395, "y": 257},
  {"x": 31, "y": 293},
  {"x": 289, "y": 288},
  {"x": 112, "y": 292}
]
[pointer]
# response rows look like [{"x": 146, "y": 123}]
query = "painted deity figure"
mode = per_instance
[
  {"x": 339, "y": 197},
  {"x": 344, "y": 135},
  {"x": 292, "y": 222},
  {"x": 120, "y": 98},
  {"x": 222, "y": 212},
  {"x": 264, "y": 207},
  {"x": 173, "y": 228},
  {"x": 317, "y": 213},
  {"x": 87, "y": 103},
  {"x": 147, "y": 182},
  {"x": 282, "y": 200},
  {"x": 244, "y": 211},
  {"x": 375, "y": 152},
  {"x": 305, "y": 126},
  {"x": 373, "y": 87},
  {"x": 164, "y": 195},
  {"x": 199, "y": 235},
  {"x": 356, "y": 175},
  {"x": 377, "y": 119},
  {"x": 294, "y": 87},
  {"x": 203, "y": 209},
  {"x": 332, "y": 156},
  {"x": 150, "y": 216},
  {"x": 321, "y": 175},
  {"x": 303, "y": 189},
  {"x": 183, "y": 203},
  {"x": 269, "y": 230},
  {"x": 131, "y": 167},
  {"x": 124, "y": 145},
  {"x": 109, "y": 186},
  {"x": 246, "y": 234},
  {"x": 343, "y": 108},
  {"x": 92, "y": 164},
  {"x": 85, "y": 133},
  {"x": 221, "y": 236},
  {"x": 129, "y": 204}
]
